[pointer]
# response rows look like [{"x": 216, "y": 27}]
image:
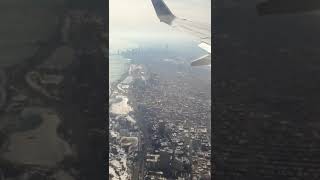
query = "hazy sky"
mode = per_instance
[{"x": 132, "y": 20}]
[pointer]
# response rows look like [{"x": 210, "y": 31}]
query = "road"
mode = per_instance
[{"x": 139, "y": 173}]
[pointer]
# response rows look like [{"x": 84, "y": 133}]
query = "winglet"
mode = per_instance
[{"x": 163, "y": 12}]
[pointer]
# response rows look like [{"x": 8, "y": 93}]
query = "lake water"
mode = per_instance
[{"x": 118, "y": 66}]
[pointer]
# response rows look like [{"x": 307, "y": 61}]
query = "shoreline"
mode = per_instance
[
  {"x": 120, "y": 108},
  {"x": 118, "y": 98},
  {"x": 113, "y": 85}
]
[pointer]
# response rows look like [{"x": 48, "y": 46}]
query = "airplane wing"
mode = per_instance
[
  {"x": 204, "y": 60},
  {"x": 287, "y": 6},
  {"x": 201, "y": 31}
]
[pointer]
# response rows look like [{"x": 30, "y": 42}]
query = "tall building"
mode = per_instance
[
  {"x": 164, "y": 163},
  {"x": 161, "y": 128}
]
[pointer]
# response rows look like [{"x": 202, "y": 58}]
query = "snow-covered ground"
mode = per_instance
[
  {"x": 119, "y": 106},
  {"x": 122, "y": 107},
  {"x": 118, "y": 169}
]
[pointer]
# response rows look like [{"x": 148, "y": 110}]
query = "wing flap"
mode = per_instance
[{"x": 202, "y": 61}]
